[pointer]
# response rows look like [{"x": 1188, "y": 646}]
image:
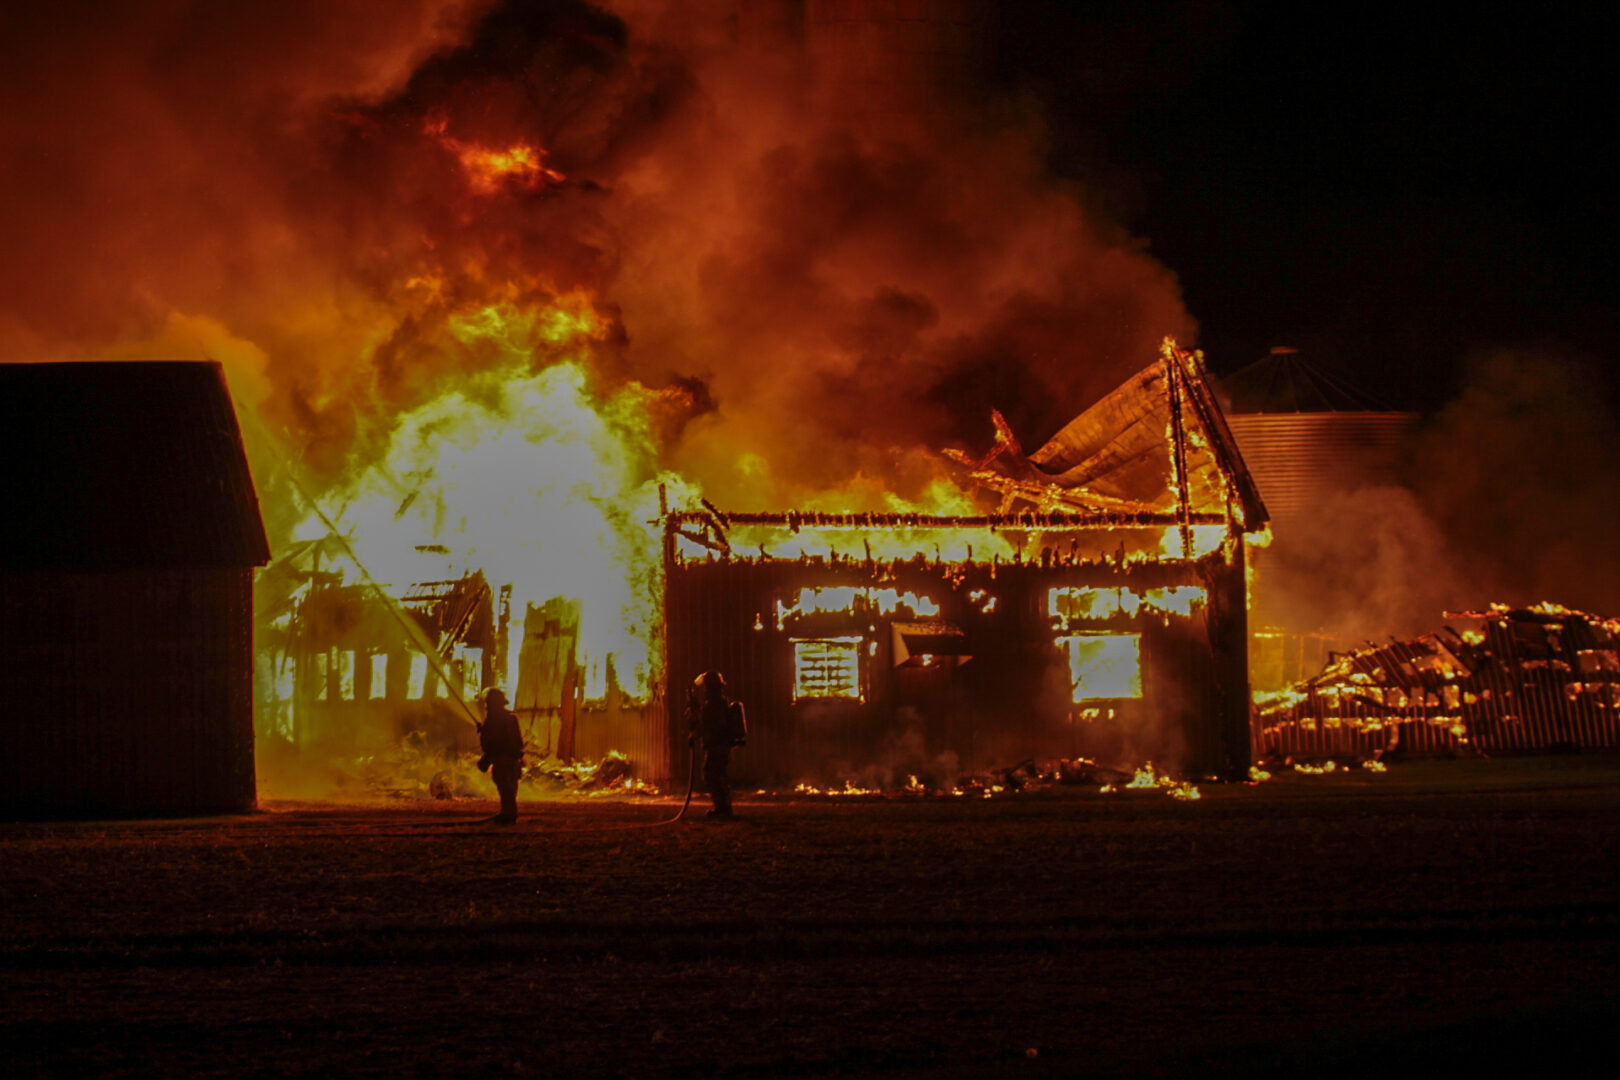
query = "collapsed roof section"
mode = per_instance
[
  {"x": 1157, "y": 445},
  {"x": 1503, "y": 679}
]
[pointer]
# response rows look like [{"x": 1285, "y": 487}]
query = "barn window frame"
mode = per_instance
[
  {"x": 1116, "y": 676},
  {"x": 812, "y": 680},
  {"x": 416, "y": 678},
  {"x": 377, "y": 680}
]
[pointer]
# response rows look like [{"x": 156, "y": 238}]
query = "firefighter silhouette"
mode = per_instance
[
  {"x": 502, "y": 743},
  {"x": 720, "y": 724}
]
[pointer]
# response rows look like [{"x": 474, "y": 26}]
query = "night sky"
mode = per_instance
[{"x": 1394, "y": 194}]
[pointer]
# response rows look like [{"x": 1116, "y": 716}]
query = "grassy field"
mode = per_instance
[{"x": 1441, "y": 916}]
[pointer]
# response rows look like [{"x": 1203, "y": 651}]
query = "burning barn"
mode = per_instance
[
  {"x": 350, "y": 667},
  {"x": 126, "y": 582},
  {"x": 1099, "y": 612},
  {"x": 1088, "y": 599},
  {"x": 1506, "y": 679}
]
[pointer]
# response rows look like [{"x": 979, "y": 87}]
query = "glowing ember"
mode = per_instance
[
  {"x": 1177, "y": 600},
  {"x": 1145, "y": 777},
  {"x": 849, "y": 788},
  {"x": 854, "y": 601},
  {"x": 1067, "y": 602}
]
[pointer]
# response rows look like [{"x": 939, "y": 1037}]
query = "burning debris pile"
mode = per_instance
[
  {"x": 1025, "y": 777},
  {"x": 613, "y": 774},
  {"x": 417, "y": 768},
  {"x": 1504, "y": 679}
]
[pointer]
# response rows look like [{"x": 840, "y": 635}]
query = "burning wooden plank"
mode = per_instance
[{"x": 1538, "y": 678}]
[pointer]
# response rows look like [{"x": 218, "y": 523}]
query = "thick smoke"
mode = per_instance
[
  {"x": 1365, "y": 564},
  {"x": 1521, "y": 474},
  {"x": 154, "y": 153},
  {"x": 860, "y": 269},
  {"x": 832, "y": 282},
  {"x": 1507, "y": 496}
]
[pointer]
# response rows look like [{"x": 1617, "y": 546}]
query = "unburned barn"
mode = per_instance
[{"x": 126, "y": 586}]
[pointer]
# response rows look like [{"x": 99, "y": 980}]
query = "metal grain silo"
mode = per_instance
[{"x": 1304, "y": 434}]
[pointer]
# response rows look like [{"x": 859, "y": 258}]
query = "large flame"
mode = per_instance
[{"x": 531, "y": 473}]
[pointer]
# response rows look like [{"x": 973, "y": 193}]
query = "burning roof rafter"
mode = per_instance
[
  {"x": 1153, "y": 455},
  {"x": 1054, "y": 521},
  {"x": 1156, "y": 445}
]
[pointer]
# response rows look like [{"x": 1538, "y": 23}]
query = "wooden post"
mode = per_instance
[
  {"x": 1178, "y": 449},
  {"x": 668, "y": 768}
]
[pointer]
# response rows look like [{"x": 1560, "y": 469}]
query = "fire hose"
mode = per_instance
[
  {"x": 691, "y": 778},
  {"x": 691, "y": 781}
]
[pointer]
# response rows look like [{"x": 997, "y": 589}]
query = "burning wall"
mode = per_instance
[
  {"x": 856, "y": 667},
  {"x": 349, "y": 669},
  {"x": 1125, "y": 635}
]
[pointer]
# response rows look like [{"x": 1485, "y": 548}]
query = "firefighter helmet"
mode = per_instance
[{"x": 710, "y": 682}]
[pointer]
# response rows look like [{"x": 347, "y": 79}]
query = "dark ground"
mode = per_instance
[{"x": 1443, "y": 916}]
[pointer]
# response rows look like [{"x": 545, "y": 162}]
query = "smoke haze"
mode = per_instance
[
  {"x": 1507, "y": 497},
  {"x": 1520, "y": 472}
]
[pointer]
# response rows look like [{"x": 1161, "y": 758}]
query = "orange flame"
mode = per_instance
[
  {"x": 535, "y": 475},
  {"x": 520, "y": 164},
  {"x": 489, "y": 169}
]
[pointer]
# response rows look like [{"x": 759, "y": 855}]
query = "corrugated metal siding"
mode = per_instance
[
  {"x": 1297, "y": 457},
  {"x": 126, "y": 693},
  {"x": 636, "y": 731}
]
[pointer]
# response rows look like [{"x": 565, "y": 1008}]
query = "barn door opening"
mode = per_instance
[{"x": 926, "y": 656}]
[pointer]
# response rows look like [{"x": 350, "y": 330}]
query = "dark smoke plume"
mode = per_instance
[{"x": 1520, "y": 472}]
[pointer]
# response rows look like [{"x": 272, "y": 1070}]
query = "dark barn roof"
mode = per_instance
[{"x": 122, "y": 466}]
